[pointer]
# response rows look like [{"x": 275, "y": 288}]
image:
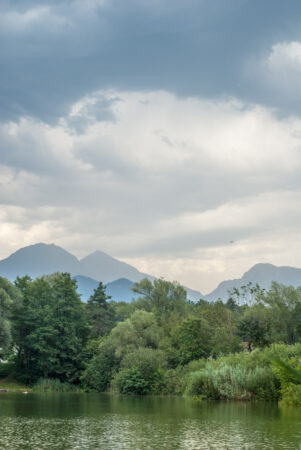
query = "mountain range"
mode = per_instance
[
  {"x": 39, "y": 259},
  {"x": 262, "y": 274}
]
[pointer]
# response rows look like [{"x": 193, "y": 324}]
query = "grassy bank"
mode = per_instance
[
  {"x": 54, "y": 385},
  {"x": 11, "y": 385}
]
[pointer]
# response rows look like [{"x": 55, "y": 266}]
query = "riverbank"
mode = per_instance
[{"x": 8, "y": 384}]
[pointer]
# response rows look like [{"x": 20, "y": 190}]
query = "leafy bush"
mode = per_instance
[
  {"x": 142, "y": 372},
  {"x": 201, "y": 384},
  {"x": 191, "y": 340},
  {"x": 291, "y": 395},
  {"x": 131, "y": 381},
  {"x": 101, "y": 368},
  {"x": 285, "y": 371}
]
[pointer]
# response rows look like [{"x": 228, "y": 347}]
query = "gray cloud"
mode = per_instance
[
  {"x": 132, "y": 127},
  {"x": 53, "y": 53}
]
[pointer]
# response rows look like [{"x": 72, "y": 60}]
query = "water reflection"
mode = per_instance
[{"x": 79, "y": 421}]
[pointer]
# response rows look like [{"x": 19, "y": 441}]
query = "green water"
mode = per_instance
[{"x": 89, "y": 421}]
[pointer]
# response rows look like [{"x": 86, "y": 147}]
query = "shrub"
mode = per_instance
[
  {"x": 291, "y": 395},
  {"x": 142, "y": 372},
  {"x": 100, "y": 370},
  {"x": 131, "y": 382},
  {"x": 201, "y": 384}
]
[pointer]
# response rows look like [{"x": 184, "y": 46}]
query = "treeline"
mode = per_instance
[{"x": 160, "y": 343}]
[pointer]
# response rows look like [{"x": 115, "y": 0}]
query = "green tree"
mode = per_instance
[
  {"x": 284, "y": 309},
  {"x": 49, "y": 329},
  {"x": 246, "y": 294},
  {"x": 222, "y": 322},
  {"x": 9, "y": 296},
  {"x": 254, "y": 325},
  {"x": 102, "y": 367},
  {"x": 165, "y": 299},
  {"x": 191, "y": 340},
  {"x": 100, "y": 313},
  {"x": 142, "y": 372},
  {"x": 138, "y": 331}
]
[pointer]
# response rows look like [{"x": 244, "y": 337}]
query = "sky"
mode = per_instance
[{"x": 166, "y": 133}]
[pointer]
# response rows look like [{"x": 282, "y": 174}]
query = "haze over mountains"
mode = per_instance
[
  {"x": 39, "y": 259},
  {"x": 263, "y": 274}
]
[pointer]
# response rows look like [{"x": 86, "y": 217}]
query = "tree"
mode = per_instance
[
  {"x": 100, "y": 313},
  {"x": 222, "y": 322},
  {"x": 191, "y": 340},
  {"x": 101, "y": 368},
  {"x": 165, "y": 299},
  {"x": 9, "y": 296},
  {"x": 254, "y": 326},
  {"x": 142, "y": 372},
  {"x": 284, "y": 309},
  {"x": 246, "y": 294},
  {"x": 140, "y": 331},
  {"x": 50, "y": 329}
]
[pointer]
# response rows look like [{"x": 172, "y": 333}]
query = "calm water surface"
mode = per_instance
[{"x": 89, "y": 421}]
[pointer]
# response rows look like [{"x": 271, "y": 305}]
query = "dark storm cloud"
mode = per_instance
[{"x": 53, "y": 53}]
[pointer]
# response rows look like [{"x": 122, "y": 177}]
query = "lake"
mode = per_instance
[{"x": 93, "y": 421}]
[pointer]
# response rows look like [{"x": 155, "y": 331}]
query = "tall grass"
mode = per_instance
[
  {"x": 243, "y": 376},
  {"x": 53, "y": 385},
  {"x": 228, "y": 382}
]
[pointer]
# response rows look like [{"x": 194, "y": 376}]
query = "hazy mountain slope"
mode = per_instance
[
  {"x": 38, "y": 259},
  {"x": 120, "y": 290},
  {"x": 100, "y": 266},
  {"x": 41, "y": 259},
  {"x": 85, "y": 286},
  {"x": 263, "y": 274}
]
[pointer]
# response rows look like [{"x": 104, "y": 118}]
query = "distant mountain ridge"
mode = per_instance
[
  {"x": 119, "y": 290},
  {"x": 41, "y": 259},
  {"x": 261, "y": 273}
]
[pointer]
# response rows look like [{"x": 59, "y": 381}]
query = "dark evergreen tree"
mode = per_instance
[{"x": 100, "y": 312}]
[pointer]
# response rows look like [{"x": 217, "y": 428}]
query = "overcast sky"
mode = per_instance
[{"x": 158, "y": 131}]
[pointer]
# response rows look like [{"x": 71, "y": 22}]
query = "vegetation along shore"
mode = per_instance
[{"x": 160, "y": 343}]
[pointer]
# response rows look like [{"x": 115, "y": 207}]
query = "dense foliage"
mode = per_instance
[{"x": 160, "y": 343}]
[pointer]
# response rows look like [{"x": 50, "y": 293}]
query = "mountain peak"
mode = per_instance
[
  {"x": 36, "y": 260},
  {"x": 39, "y": 259},
  {"x": 262, "y": 274},
  {"x": 97, "y": 254}
]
